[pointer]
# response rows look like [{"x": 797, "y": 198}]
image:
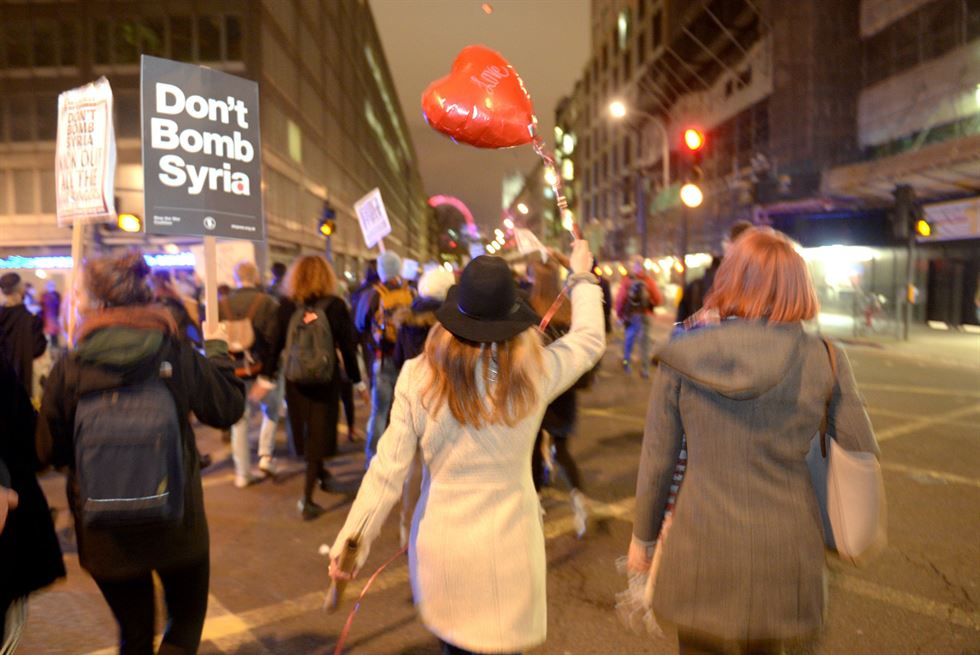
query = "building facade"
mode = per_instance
[
  {"x": 331, "y": 124},
  {"x": 813, "y": 111}
]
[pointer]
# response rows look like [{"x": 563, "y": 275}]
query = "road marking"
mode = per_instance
[
  {"x": 621, "y": 415},
  {"x": 907, "y": 601},
  {"x": 926, "y": 421},
  {"x": 878, "y": 411},
  {"x": 926, "y": 391},
  {"x": 929, "y": 473}
]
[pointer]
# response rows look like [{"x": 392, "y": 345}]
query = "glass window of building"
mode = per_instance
[
  {"x": 623, "y": 28},
  {"x": 24, "y": 198},
  {"x": 233, "y": 38},
  {"x": 45, "y": 43},
  {"x": 181, "y": 38},
  {"x": 126, "y": 44},
  {"x": 102, "y": 46},
  {"x": 209, "y": 38},
  {"x": 17, "y": 35},
  {"x": 154, "y": 37},
  {"x": 656, "y": 30},
  {"x": 20, "y": 118},
  {"x": 68, "y": 43},
  {"x": 47, "y": 117},
  {"x": 49, "y": 199}
]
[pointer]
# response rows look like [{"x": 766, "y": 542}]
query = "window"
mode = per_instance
[
  {"x": 233, "y": 38},
  {"x": 154, "y": 41},
  {"x": 21, "y": 118},
  {"x": 181, "y": 38},
  {"x": 126, "y": 45},
  {"x": 24, "y": 191},
  {"x": 48, "y": 195},
  {"x": 103, "y": 42},
  {"x": 47, "y": 117},
  {"x": 209, "y": 38},
  {"x": 45, "y": 43},
  {"x": 18, "y": 38},
  {"x": 69, "y": 43},
  {"x": 656, "y": 30},
  {"x": 623, "y": 28},
  {"x": 641, "y": 46}
]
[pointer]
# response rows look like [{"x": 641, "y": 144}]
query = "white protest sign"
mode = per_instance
[
  {"x": 85, "y": 156},
  {"x": 528, "y": 243},
  {"x": 372, "y": 217}
]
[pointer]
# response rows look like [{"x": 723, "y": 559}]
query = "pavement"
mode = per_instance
[{"x": 268, "y": 581}]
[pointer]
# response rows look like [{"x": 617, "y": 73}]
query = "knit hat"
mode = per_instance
[
  {"x": 435, "y": 283},
  {"x": 389, "y": 266},
  {"x": 8, "y": 283}
]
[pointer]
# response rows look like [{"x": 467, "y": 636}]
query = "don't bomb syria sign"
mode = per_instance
[{"x": 201, "y": 154}]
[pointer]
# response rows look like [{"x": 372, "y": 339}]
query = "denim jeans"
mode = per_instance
[
  {"x": 382, "y": 391},
  {"x": 638, "y": 327},
  {"x": 240, "y": 454}
]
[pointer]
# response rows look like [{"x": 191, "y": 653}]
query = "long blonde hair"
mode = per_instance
[{"x": 452, "y": 367}]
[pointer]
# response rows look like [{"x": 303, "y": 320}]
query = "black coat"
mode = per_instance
[
  {"x": 30, "y": 557},
  {"x": 21, "y": 341},
  {"x": 341, "y": 327},
  {"x": 206, "y": 386}
]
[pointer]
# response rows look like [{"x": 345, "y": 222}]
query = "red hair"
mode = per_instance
[{"x": 762, "y": 276}]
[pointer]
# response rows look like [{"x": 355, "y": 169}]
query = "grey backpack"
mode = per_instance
[
  {"x": 310, "y": 354},
  {"x": 129, "y": 457}
]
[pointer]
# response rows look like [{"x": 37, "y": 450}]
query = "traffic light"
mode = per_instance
[
  {"x": 908, "y": 217},
  {"x": 327, "y": 223},
  {"x": 691, "y": 193},
  {"x": 129, "y": 223}
]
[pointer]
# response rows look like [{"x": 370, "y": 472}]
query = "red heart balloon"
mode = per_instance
[{"x": 481, "y": 102}]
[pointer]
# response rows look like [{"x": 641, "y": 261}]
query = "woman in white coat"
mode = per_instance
[{"x": 472, "y": 404}]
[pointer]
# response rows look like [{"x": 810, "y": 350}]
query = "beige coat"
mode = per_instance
[{"x": 476, "y": 553}]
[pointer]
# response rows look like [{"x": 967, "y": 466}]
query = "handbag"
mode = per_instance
[{"x": 850, "y": 491}]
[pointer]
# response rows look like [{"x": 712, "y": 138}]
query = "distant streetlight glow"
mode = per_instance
[
  {"x": 487, "y": 8},
  {"x": 691, "y": 195},
  {"x": 509, "y": 224},
  {"x": 693, "y": 139},
  {"x": 568, "y": 220},
  {"x": 617, "y": 109},
  {"x": 129, "y": 223},
  {"x": 499, "y": 233},
  {"x": 550, "y": 176},
  {"x": 522, "y": 208},
  {"x": 448, "y": 266}
]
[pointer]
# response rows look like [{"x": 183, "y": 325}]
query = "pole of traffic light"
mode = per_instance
[
  {"x": 909, "y": 285},
  {"x": 641, "y": 211},
  {"x": 330, "y": 249}
]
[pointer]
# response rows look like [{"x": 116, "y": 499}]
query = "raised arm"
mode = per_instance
[
  {"x": 570, "y": 357},
  {"x": 382, "y": 485}
]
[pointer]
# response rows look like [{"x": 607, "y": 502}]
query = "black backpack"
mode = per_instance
[
  {"x": 638, "y": 297},
  {"x": 310, "y": 354},
  {"x": 129, "y": 461}
]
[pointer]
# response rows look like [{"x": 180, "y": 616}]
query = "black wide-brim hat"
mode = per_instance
[{"x": 485, "y": 306}]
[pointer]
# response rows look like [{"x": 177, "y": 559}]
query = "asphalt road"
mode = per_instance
[{"x": 267, "y": 586}]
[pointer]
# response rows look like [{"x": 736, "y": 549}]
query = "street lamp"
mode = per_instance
[
  {"x": 522, "y": 208},
  {"x": 617, "y": 109},
  {"x": 691, "y": 195},
  {"x": 508, "y": 223}
]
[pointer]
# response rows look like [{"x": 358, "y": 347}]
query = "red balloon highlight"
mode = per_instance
[{"x": 482, "y": 102}]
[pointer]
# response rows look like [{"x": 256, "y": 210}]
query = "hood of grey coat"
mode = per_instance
[{"x": 737, "y": 359}]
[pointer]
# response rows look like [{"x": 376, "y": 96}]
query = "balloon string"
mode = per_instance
[
  {"x": 350, "y": 618},
  {"x": 542, "y": 149}
]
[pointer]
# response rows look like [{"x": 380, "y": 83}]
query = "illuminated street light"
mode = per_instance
[
  {"x": 550, "y": 176},
  {"x": 499, "y": 233},
  {"x": 617, "y": 109},
  {"x": 568, "y": 220},
  {"x": 691, "y": 195},
  {"x": 522, "y": 208},
  {"x": 509, "y": 224}
]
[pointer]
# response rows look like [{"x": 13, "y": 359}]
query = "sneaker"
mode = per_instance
[
  {"x": 310, "y": 510},
  {"x": 267, "y": 464},
  {"x": 242, "y": 481},
  {"x": 581, "y": 513}
]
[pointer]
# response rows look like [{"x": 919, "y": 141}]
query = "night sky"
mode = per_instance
[{"x": 547, "y": 41}]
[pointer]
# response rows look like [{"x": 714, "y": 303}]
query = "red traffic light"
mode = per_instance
[{"x": 693, "y": 139}]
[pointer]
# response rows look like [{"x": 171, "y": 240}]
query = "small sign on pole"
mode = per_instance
[
  {"x": 373, "y": 218},
  {"x": 85, "y": 156}
]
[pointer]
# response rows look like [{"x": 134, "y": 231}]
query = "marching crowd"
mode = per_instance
[{"x": 469, "y": 400}]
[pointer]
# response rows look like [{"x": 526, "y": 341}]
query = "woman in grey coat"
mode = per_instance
[{"x": 741, "y": 570}]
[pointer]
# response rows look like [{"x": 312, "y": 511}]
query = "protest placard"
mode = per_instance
[
  {"x": 201, "y": 152},
  {"x": 372, "y": 217},
  {"x": 85, "y": 155}
]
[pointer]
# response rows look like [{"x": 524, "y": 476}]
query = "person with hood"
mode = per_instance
[
  {"x": 21, "y": 332},
  {"x": 638, "y": 294},
  {"x": 29, "y": 550},
  {"x": 471, "y": 405},
  {"x": 414, "y": 322},
  {"x": 375, "y": 311},
  {"x": 129, "y": 354},
  {"x": 741, "y": 567}
]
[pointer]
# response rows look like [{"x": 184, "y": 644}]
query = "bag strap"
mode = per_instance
[
  {"x": 253, "y": 308},
  {"x": 830, "y": 396}
]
